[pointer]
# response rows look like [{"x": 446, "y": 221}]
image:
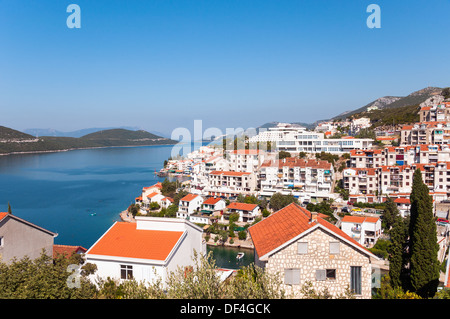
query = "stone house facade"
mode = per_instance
[{"x": 303, "y": 248}]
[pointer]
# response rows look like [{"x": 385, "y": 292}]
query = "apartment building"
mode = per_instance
[
  {"x": 246, "y": 160},
  {"x": 365, "y": 230},
  {"x": 309, "y": 180},
  {"x": 440, "y": 112},
  {"x": 425, "y": 133},
  {"x": 230, "y": 184},
  {"x": 295, "y": 139},
  {"x": 360, "y": 181},
  {"x": 391, "y": 180}
]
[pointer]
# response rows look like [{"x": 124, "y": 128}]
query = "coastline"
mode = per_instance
[{"x": 81, "y": 148}]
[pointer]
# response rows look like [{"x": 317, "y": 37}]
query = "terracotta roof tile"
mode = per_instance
[
  {"x": 242, "y": 206},
  {"x": 188, "y": 197},
  {"x": 124, "y": 240},
  {"x": 286, "y": 224}
]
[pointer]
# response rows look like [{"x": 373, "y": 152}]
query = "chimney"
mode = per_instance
[{"x": 313, "y": 217}]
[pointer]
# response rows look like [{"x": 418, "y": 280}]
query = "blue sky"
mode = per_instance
[{"x": 161, "y": 64}]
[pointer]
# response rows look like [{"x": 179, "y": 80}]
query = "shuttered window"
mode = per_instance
[
  {"x": 321, "y": 274},
  {"x": 335, "y": 247},
  {"x": 292, "y": 276},
  {"x": 355, "y": 279},
  {"x": 302, "y": 248}
]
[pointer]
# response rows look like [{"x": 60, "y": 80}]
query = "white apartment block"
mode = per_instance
[
  {"x": 365, "y": 230},
  {"x": 295, "y": 139},
  {"x": 230, "y": 184},
  {"x": 308, "y": 180}
]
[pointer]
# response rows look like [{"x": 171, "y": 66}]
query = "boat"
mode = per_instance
[{"x": 240, "y": 255}]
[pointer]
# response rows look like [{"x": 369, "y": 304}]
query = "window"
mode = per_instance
[
  {"x": 292, "y": 276},
  {"x": 126, "y": 272},
  {"x": 1, "y": 241},
  {"x": 355, "y": 279},
  {"x": 324, "y": 274},
  {"x": 302, "y": 248},
  {"x": 335, "y": 247},
  {"x": 331, "y": 274}
]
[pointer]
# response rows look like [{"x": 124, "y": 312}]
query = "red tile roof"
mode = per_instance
[
  {"x": 3, "y": 215},
  {"x": 212, "y": 201},
  {"x": 229, "y": 173},
  {"x": 242, "y": 206},
  {"x": 124, "y": 240},
  {"x": 188, "y": 197},
  {"x": 298, "y": 162},
  {"x": 359, "y": 219},
  {"x": 286, "y": 224},
  {"x": 402, "y": 200},
  {"x": 67, "y": 250}
]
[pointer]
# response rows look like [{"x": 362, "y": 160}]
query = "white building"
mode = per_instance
[
  {"x": 247, "y": 212},
  {"x": 308, "y": 180},
  {"x": 295, "y": 139},
  {"x": 150, "y": 248},
  {"x": 365, "y": 230},
  {"x": 189, "y": 204}
]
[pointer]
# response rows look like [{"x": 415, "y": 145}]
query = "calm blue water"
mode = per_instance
[{"x": 59, "y": 191}]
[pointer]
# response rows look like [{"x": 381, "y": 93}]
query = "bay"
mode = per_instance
[
  {"x": 80, "y": 193},
  {"x": 59, "y": 191}
]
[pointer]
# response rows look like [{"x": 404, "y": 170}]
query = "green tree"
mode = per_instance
[
  {"x": 390, "y": 214},
  {"x": 423, "y": 247},
  {"x": 278, "y": 201},
  {"x": 283, "y": 154},
  {"x": 397, "y": 252},
  {"x": 42, "y": 279}
]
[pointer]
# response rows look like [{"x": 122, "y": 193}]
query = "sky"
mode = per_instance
[{"x": 161, "y": 64}]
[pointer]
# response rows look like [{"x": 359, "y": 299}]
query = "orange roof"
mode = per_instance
[
  {"x": 152, "y": 195},
  {"x": 247, "y": 152},
  {"x": 298, "y": 162},
  {"x": 359, "y": 219},
  {"x": 3, "y": 215},
  {"x": 212, "y": 201},
  {"x": 402, "y": 200},
  {"x": 67, "y": 250},
  {"x": 124, "y": 240},
  {"x": 286, "y": 224},
  {"x": 242, "y": 206},
  {"x": 188, "y": 197},
  {"x": 229, "y": 173}
]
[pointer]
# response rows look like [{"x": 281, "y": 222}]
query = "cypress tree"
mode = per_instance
[
  {"x": 423, "y": 247},
  {"x": 397, "y": 252}
]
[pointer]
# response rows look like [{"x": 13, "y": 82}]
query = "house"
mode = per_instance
[
  {"x": 67, "y": 250},
  {"x": 20, "y": 238},
  {"x": 166, "y": 202},
  {"x": 146, "y": 250},
  {"x": 303, "y": 248},
  {"x": 214, "y": 204},
  {"x": 247, "y": 212},
  {"x": 188, "y": 205},
  {"x": 365, "y": 230},
  {"x": 403, "y": 206}
]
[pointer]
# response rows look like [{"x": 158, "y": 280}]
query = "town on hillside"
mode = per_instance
[{"x": 315, "y": 206}]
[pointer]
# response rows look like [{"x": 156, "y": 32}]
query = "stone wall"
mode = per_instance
[{"x": 319, "y": 257}]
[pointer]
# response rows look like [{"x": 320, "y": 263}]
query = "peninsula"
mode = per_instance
[{"x": 13, "y": 141}]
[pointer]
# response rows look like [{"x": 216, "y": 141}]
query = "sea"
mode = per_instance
[{"x": 79, "y": 194}]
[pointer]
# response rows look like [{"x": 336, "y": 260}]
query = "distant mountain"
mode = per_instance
[
  {"x": 415, "y": 98},
  {"x": 77, "y": 133},
  {"x": 13, "y": 141},
  {"x": 386, "y": 109}
]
